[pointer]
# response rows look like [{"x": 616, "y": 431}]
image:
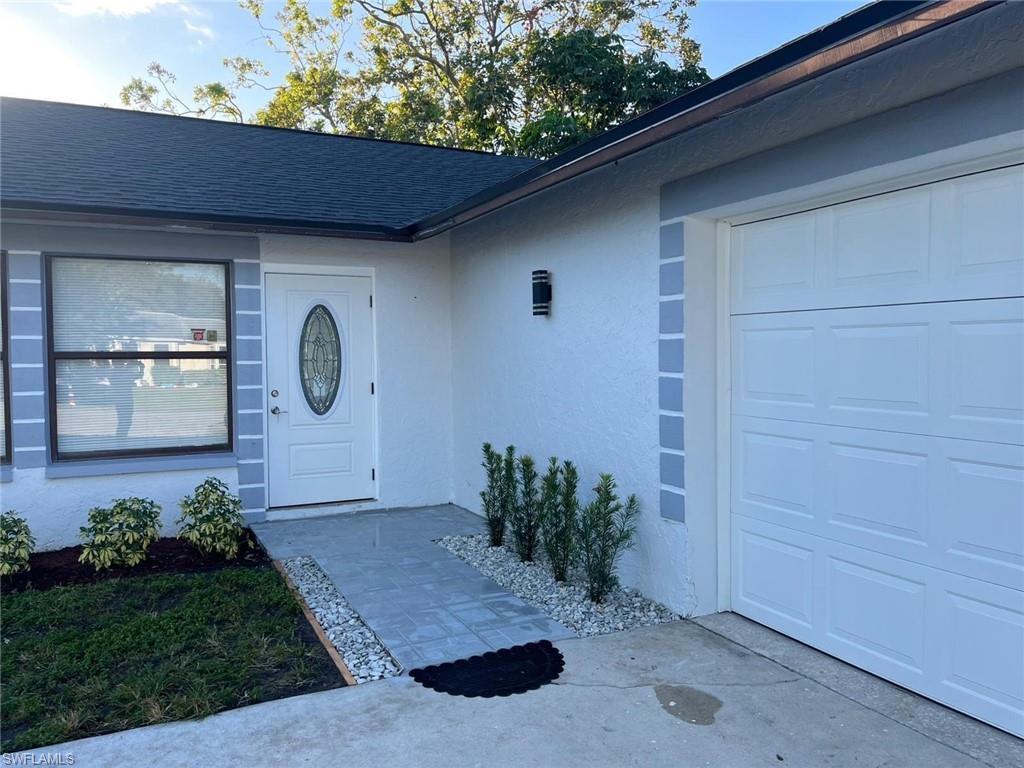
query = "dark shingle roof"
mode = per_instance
[{"x": 70, "y": 157}]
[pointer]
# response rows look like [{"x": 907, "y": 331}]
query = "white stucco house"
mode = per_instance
[{"x": 787, "y": 311}]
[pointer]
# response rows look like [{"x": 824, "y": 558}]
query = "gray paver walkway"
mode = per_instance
[{"x": 424, "y": 603}]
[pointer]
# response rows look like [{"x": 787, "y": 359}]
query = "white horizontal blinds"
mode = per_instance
[
  {"x": 3, "y": 413},
  {"x": 140, "y": 356},
  {"x": 106, "y": 305},
  {"x": 3, "y": 357},
  {"x": 123, "y": 405}
]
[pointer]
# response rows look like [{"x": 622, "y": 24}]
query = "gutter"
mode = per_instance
[{"x": 864, "y": 32}]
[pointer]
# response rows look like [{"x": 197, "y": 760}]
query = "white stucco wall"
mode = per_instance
[
  {"x": 411, "y": 297},
  {"x": 55, "y": 508},
  {"x": 580, "y": 384}
]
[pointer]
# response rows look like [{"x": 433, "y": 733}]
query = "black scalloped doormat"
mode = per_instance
[{"x": 518, "y": 669}]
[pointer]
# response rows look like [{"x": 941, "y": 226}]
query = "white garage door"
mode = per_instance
[{"x": 878, "y": 435}]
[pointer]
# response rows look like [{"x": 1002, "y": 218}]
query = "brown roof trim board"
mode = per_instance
[{"x": 855, "y": 36}]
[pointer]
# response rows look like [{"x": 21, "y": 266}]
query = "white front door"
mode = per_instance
[
  {"x": 320, "y": 432},
  {"x": 878, "y": 435}
]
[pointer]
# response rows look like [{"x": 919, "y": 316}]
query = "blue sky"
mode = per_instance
[{"x": 83, "y": 51}]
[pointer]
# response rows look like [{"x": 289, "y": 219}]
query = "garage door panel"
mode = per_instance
[
  {"x": 876, "y": 367},
  {"x": 917, "y": 368},
  {"x": 879, "y": 243},
  {"x": 952, "y": 504},
  {"x": 772, "y": 462},
  {"x": 876, "y": 612},
  {"x": 980, "y": 515},
  {"x": 954, "y": 240},
  {"x": 774, "y": 577},
  {"x": 777, "y": 364},
  {"x": 991, "y": 340},
  {"x": 778, "y": 258},
  {"x": 988, "y": 231},
  {"x": 876, "y": 492},
  {"x": 980, "y": 653},
  {"x": 954, "y": 638}
]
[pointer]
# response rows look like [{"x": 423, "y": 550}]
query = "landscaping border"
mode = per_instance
[
  {"x": 565, "y": 602},
  {"x": 315, "y": 624},
  {"x": 365, "y": 655}
]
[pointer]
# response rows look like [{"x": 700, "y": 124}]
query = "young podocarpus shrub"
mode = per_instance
[
  {"x": 605, "y": 529},
  {"x": 211, "y": 519},
  {"x": 526, "y": 514},
  {"x": 507, "y": 497},
  {"x": 559, "y": 508},
  {"x": 491, "y": 496},
  {"x": 121, "y": 534},
  {"x": 16, "y": 543}
]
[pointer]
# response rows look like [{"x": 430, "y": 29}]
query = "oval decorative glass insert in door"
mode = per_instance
[{"x": 320, "y": 359}]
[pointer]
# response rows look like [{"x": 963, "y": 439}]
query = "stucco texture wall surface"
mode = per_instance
[
  {"x": 581, "y": 384},
  {"x": 56, "y": 508}
]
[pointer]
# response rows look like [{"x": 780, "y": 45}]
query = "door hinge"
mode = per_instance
[
  {"x": 371, "y": 388},
  {"x": 373, "y": 474},
  {"x": 371, "y": 299}
]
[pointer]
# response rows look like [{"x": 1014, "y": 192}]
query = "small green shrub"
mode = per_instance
[
  {"x": 491, "y": 496},
  {"x": 508, "y": 494},
  {"x": 211, "y": 519},
  {"x": 604, "y": 530},
  {"x": 558, "y": 519},
  {"x": 121, "y": 534},
  {"x": 527, "y": 512},
  {"x": 16, "y": 543}
]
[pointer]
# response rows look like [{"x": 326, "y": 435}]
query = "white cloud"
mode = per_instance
[
  {"x": 122, "y": 8},
  {"x": 200, "y": 29}
]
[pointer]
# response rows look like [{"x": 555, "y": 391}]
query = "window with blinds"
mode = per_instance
[
  {"x": 139, "y": 357},
  {"x": 5, "y": 429}
]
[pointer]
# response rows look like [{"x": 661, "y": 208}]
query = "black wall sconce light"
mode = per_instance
[{"x": 541, "y": 292}]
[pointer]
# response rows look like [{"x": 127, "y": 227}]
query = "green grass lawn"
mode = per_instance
[{"x": 89, "y": 659}]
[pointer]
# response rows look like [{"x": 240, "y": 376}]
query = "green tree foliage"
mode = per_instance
[{"x": 530, "y": 77}]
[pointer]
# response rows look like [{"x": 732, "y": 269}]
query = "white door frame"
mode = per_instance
[
  {"x": 977, "y": 157},
  {"x": 285, "y": 268}
]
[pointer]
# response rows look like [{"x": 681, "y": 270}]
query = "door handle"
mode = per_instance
[{"x": 277, "y": 411}]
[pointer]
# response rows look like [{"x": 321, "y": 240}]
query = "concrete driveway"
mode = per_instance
[{"x": 675, "y": 695}]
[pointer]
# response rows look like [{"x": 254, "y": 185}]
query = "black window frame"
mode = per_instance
[
  {"x": 227, "y": 354},
  {"x": 5, "y": 361}
]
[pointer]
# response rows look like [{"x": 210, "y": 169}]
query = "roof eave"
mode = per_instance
[
  {"x": 863, "y": 33},
  {"x": 37, "y": 211}
]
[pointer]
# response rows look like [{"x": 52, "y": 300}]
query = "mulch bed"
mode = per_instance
[{"x": 167, "y": 555}]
